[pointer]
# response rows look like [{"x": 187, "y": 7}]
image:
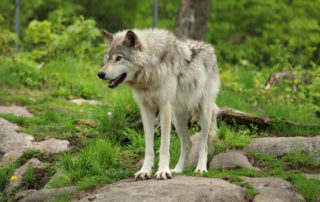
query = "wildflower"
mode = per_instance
[
  {"x": 101, "y": 140},
  {"x": 10, "y": 157},
  {"x": 13, "y": 177}
]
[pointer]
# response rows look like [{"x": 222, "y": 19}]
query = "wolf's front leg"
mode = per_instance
[
  {"x": 165, "y": 120},
  {"x": 148, "y": 117}
]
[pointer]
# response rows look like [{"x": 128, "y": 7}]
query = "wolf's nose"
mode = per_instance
[{"x": 101, "y": 75}]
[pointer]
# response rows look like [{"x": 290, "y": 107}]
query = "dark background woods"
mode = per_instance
[{"x": 271, "y": 33}]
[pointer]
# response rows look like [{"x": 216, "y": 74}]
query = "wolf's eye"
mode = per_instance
[{"x": 118, "y": 58}]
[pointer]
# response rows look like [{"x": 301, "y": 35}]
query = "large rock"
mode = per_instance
[
  {"x": 278, "y": 146},
  {"x": 51, "y": 145},
  {"x": 42, "y": 195},
  {"x": 179, "y": 188},
  {"x": 33, "y": 163},
  {"x": 15, "y": 110},
  {"x": 13, "y": 143},
  {"x": 229, "y": 160},
  {"x": 81, "y": 101},
  {"x": 273, "y": 189},
  {"x": 312, "y": 176}
]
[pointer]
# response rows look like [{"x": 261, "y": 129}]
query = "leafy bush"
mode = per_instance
[{"x": 280, "y": 35}]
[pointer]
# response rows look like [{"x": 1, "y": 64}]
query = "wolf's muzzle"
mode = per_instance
[{"x": 101, "y": 75}]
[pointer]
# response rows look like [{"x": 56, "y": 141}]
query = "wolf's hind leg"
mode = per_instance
[
  {"x": 181, "y": 124},
  {"x": 148, "y": 117},
  {"x": 205, "y": 123}
]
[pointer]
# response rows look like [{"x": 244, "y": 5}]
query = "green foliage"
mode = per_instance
[
  {"x": 61, "y": 52},
  {"x": 275, "y": 34},
  {"x": 28, "y": 176},
  {"x": 296, "y": 162},
  {"x": 230, "y": 139},
  {"x": 6, "y": 39},
  {"x": 94, "y": 164},
  {"x": 5, "y": 173},
  {"x": 63, "y": 198}
]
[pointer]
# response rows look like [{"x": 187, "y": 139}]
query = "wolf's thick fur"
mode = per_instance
[{"x": 173, "y": 76}]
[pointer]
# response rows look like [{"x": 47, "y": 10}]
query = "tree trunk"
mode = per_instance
[{"x": 192, "y": 19}]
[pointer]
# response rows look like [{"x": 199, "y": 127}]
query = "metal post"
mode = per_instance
[
  {"x": 155, "y": 13},
  {"x": 17, "y": 22}
]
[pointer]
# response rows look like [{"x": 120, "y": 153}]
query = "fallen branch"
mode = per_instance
[
  {"x": 278, "y": 76},
  {"x": 232, "y": 116}
]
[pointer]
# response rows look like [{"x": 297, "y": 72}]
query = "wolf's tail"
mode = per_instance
[
  {"x": 192, "y": 158},
  {"x": 213, "y": 127}
]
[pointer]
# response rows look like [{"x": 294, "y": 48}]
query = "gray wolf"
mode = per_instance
[{"x": 172, "y": 76}]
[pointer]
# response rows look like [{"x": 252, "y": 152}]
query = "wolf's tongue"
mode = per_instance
[{"x": 114, "y": 81}]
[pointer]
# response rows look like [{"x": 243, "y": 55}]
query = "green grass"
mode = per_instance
[
  {"x": 289, "y": 167},
  {"x": 28, "y": 176},
  {"x": 5, "y": 174},
  {"x": 296, "y": 162},
  {"x": 230, "y": 139},
  {"x": 109, "y": 150},
  {"x": 97, "y": 163},
  {"x": 63, "y": 198}
]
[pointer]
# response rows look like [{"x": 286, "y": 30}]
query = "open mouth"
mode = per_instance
[{"x": 115, "y": 82}]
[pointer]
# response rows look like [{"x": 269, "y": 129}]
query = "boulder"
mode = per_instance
[
  {"x": 179, "y": 188},
  {"x": 13, "y": 143},
  {"x": 15, "y": 110},
  {"x": 81, "y": 101},
  {"x": 51, "y": 145},
  {"x": 312, "y": 176},
  {"x": 229, "y": 160},
  {"x": 273, "y": 189},
  {"x": 278, "y": 146},
  {"x": 32, "y": 195}
]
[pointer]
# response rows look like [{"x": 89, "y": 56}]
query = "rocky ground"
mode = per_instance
[{"x": 180, "y": 188}]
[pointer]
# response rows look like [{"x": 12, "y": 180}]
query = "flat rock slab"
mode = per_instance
[
  {"x": 273, "y": 189},
  {"x": 312, "y": 176},
  {"x": 33, "y": 163},
  {"x": 229, "y": 160},
  {"x": 32, "y": 195},
  {"x": 81, "y": 101},
  {"x": 51, "y": 145},
  {"x": 179, "y": 188},
  {"x": 15, "y": 110},
  {"x": 13, "y": 143},
  {"x": 278, "y": 146}
]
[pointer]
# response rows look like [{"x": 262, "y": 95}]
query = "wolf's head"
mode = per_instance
[{"x": 118, "y": 60}]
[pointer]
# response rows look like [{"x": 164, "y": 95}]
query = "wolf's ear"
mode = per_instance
[
  {"x": 131, "y": 40},
  {"x": 108, "y": 35}
]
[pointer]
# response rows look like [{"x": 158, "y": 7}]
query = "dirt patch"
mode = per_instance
[
  {"x": 42, "y": 156},
  {"x": 76, "y": 143},
  {"x": 41, "y": 177}
]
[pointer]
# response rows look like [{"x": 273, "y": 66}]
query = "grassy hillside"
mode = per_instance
[{"x": 60, "y": 56}]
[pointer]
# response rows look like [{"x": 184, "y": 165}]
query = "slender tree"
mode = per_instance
[{"x": 192, "y": 19}]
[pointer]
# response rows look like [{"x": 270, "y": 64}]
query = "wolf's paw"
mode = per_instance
[
  {"x": 142, "y": 175},
  {"x": 163, "y": 174},
  {"x": 200, "y": 170}
]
